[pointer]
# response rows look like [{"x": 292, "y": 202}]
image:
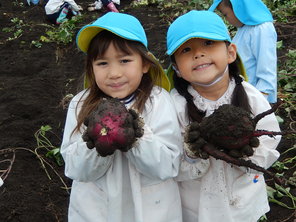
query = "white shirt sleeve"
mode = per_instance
[
  {"x": 157, "y": 153},
  {"x": 265, "y": 154},
  {"x": 81, "y": 163}
]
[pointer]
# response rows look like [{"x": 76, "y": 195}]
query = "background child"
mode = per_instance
[
  {"x": 255, "y": 39},
  {"x": 136, "y": 185},
  {"x": 97, "y": 5},
  {"x": 207, "y": 76},
  {"x": 59, "y": 11}
]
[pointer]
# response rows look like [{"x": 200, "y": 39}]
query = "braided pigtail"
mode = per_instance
[
  {"x": 239, "y": 96},
  {"x": 181, "y": 86}
]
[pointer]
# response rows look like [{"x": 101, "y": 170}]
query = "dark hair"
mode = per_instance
[
  {"x": 239, "y": 96},
  {"x": 97, "y": 47},
  {"x": 227, "y": 3}
]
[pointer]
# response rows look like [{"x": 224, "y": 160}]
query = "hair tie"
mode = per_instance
[{"x": 238, "y": 80}]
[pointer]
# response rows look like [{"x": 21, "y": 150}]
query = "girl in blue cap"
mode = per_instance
[
  {"x": 207, "y": 73},
  {"x": 255, "y": 39},
  {"x": 136, "y": 185}
]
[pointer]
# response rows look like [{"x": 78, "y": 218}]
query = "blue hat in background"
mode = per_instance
[
  {"x": 123, "y": 25},
  {"x": 196, "y": 24},
  {"x": 249, "y": 12}
]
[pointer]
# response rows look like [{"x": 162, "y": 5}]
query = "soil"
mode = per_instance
[{"x": 34, "y": 86}]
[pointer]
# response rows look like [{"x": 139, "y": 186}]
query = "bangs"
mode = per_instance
[{"x": 100, "y": 43}]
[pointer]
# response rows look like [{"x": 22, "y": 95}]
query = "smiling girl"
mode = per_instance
[
  {"x": 207, "y": 74},
  {"x": 135, "y": 185}
]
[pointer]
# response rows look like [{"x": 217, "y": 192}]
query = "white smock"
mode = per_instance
[
  {"x": 133, "y": 186},
  {"x": 221, "y": 191},
  {"x": 53, "y": 6},
  {"x": 256, "y": 46}
]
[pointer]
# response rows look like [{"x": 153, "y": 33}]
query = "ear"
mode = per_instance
[
  {"x": 175, "y": 67},
  {"x": 231, "y": 53},
  {"x": 146, "y": 67}
]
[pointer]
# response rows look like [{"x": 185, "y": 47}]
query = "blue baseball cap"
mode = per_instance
[
  {"x": 123, "y": 25},
  {"x": 196, "y": 24},
  {"x": 248, "y": 12}
]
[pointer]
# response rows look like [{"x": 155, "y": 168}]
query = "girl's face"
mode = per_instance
[
  {"x": 229, "y": 15},
  {"x": 203, "y": 61},
  {"x": 118, "y": 74}
]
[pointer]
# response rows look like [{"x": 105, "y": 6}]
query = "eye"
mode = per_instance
[
  {"x": 186, "y": 49},
  {"x": 209, "y": 42},
  {"x": 100, "y": 63},
  {"x": 125, "y": 61}
]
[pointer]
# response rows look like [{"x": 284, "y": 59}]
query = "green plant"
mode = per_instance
[
  {"x": 16, "y": 29},
  {"x": 263, "y": 218},
  {"x": 43, "y": 142},
  {"x": 170, "y": 9},
  {"x": 63, "y": 34},
  {"x": 287, "y": 80},
  {"x": 37, "y": 44},
  {"x": 287, "y": 163},
  {"x": 275, "y": 194},
  {"x": 282, "y": 10},
  {"x": 17, "y": 3}
]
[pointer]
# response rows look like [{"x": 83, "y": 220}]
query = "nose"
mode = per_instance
[
  {"x": 114, "y": 72},
  {"x": 199, "y": 53}
]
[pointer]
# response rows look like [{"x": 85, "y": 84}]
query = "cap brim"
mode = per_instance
[
  {"x": 85, "y": 35},
  {"x": 201, "y": 35},
  {"x": 170, "y": 73}
]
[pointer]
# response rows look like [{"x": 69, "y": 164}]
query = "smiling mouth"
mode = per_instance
[
  {"x": 116, "y": 85},
  {"x": 203, "y": 66}
]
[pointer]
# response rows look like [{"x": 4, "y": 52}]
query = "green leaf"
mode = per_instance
[
  {"x": 279, "y": 119},
  {"x": 45, "y": 128}
]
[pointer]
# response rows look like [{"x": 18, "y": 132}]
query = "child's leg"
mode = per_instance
[
  {"x": 105, "y": 2},
  {"x": 112, "y": 7},
  {"x": 53, "y": 17},
  {"x": 63, "y": 13}
]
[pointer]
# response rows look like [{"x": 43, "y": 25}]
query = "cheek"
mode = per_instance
[
  {"x": 98, "y": 77},
  {"x": 182, "y": 62}
]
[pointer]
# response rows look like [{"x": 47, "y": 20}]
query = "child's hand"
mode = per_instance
[
  {"x": 111, "y": 126},
  {"x": 193, "y": 142}
]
